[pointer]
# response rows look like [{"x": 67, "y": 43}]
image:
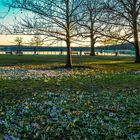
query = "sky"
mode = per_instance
[
  {"x": 8, "y": 18},
  {"x": 5, "y": 16}
]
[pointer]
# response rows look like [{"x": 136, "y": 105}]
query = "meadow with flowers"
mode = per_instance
[{"x": 99, "y": 98}]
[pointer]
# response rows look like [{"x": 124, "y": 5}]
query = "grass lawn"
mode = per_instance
[{"x": 98, "y": 99}]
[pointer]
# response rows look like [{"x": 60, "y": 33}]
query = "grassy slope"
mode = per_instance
[
  {"x": 106, "y": 85},
  {"x": 126, "y": 63}
]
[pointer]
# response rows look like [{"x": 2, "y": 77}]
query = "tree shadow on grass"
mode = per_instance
[{"x": 73, "y": 67}]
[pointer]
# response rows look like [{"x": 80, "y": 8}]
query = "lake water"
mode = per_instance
[
  {"x": 108, "y": 52},
  {"x": 62, "y": 51}
]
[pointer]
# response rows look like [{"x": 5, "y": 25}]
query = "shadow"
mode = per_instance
[{"x": 73, "y": 67}]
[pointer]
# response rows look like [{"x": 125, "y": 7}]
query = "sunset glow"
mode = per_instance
[{"x": 9, "y": 39}]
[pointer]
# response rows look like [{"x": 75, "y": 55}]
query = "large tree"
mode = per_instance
[
  {"x": 55, "y": 18},
  {"x": 123, "y": 17},
  {"x": 90, "y": 23}
]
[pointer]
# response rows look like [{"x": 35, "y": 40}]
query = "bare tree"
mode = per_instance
[
  {"x": 18, "y": 41},
  {"x": 55, "y": 18},
  {"x": 123, "y": 17},
  {"x": 90, "y": 23},
  {"x": 37, "y": 41}
]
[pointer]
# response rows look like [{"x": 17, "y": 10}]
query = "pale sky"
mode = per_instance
[
  {"x": 7, "y": 19},
  {"x": 9, "y": 39}
]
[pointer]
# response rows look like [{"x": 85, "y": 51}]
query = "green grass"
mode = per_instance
[
  {"x": 98, "y": 99},
  {"x": 52, "y": 61},
  {"x": 48, "y": 59}
]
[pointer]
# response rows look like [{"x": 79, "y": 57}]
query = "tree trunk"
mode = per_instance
[
  {"x": 135, "y": 33},
  {"x": 92, "y": 45},
  {"x": 34, "y": 50},
  {"x": 92, "y": 39},
  {"x": 69, "y": 55},
  {"x": 136, "y": 42}
]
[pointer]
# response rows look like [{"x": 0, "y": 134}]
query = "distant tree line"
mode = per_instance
[
  {"x": 74, "y": 21},
  {"x": 126, "y": 46}
]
